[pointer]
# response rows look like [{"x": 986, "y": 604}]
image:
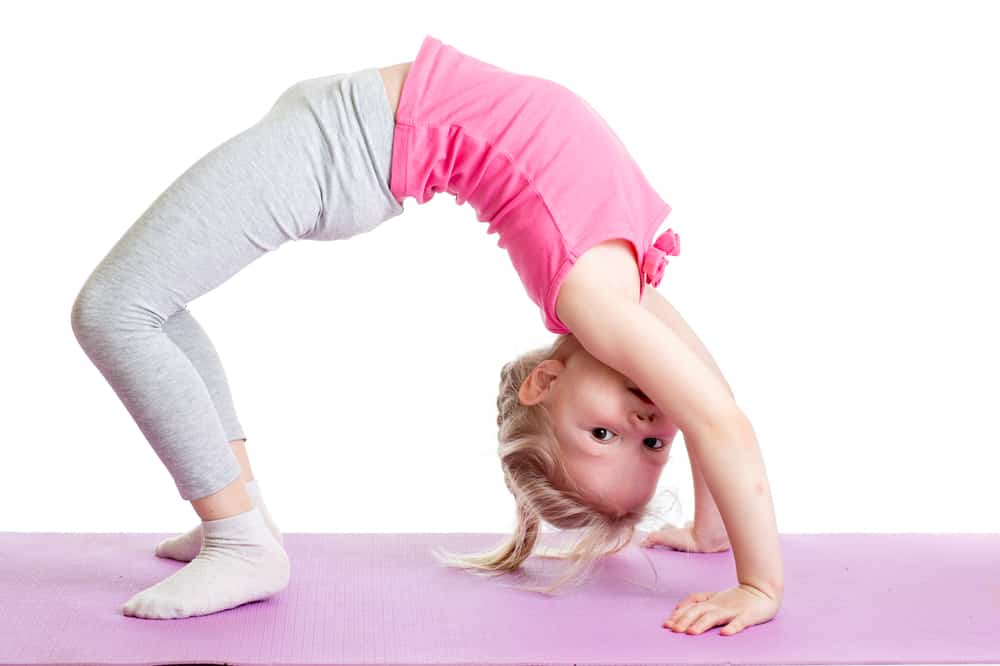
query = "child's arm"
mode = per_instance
[
  {"x": 609, "y": 322},
  {"x": 708, "y": 525}
]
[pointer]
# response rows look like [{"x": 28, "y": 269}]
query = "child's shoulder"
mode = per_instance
[{"x": 610, "y": 267}]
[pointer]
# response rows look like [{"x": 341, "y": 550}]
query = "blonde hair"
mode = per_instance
[{"x": 534, "y": 473}]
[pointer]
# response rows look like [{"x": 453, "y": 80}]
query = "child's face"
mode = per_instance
[{"x": 614, "y": 444}]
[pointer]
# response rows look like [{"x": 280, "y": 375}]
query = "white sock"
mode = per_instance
[
  {"x": 258, "y": 499},
  {"x": 185, "y": 547},
  {"x": 239, "y": 562}
]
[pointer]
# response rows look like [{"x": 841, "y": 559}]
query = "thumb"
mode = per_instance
[{"x": 733, "y": 627}]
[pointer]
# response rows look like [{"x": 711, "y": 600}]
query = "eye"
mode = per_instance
[
  {"x": 605, "y": 430},
  {"x": 646, "y": 441},
  {"x": 662, "y": 445}
]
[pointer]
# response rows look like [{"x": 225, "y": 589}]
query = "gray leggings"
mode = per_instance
[{"x": 315, "y": 167}]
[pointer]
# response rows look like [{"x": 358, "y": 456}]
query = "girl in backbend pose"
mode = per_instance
[{"x": 585, "y": 424}]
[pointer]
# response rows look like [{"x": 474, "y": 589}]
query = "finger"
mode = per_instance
[
  {"x": 685, "y": 616},
  {"x": 691, "y": 616},
  {"x": 678, "y": 611},
  {"x": 733, "y": 627},
  {"x": 694, "y": 598},
  {"x": 678, "y": 617},
  {"x": 710, "y": 619},
  {"x": 667, "y": 536},
  {"x": 665, "y": 527},
  {"x": 687, "y": 603},
  {"x": 684, "y": 605}
]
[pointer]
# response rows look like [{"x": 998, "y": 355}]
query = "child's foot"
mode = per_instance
[
  {"x": 239, "y": 562},
  {"x": 185, "y": 547}
]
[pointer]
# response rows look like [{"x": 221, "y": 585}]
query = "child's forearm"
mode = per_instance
[
  {"x": 732, "y": 464},
  {"x": 708, "y": 524}
]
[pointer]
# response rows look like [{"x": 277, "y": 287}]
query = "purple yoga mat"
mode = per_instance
[{"x": 382, "y": 599}]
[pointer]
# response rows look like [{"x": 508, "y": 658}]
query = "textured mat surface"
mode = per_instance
[{"x": 382, "y": 599}]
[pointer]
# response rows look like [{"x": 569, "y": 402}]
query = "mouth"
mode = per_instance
[{"x": 642, "y": 396}]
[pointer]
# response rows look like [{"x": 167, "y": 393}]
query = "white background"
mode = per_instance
[{"x": 833, "y": 171}]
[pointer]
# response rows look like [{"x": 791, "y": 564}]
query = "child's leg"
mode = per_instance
[
  {"x": 211, "y": 222},
  {"x": 293, "y": 175},
  {"x": 240, "y": 451},
  {"x": 319, "y": 158},
  {"x": 185, "y": 331}
]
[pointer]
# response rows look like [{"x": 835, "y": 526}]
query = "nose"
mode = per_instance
[{"x": 644, "y": 415}]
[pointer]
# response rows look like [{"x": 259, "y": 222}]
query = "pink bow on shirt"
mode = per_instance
[{"x": 656, "y": 258}]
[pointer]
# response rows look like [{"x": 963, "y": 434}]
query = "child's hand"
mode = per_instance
[
  {"x": 741, "y": 606},
  {"x": 686, "y": 539}
]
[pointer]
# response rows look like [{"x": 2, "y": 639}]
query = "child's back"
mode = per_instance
[{"x": 533, "y": 159}]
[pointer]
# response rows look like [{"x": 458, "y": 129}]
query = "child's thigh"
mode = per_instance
[{"x": 244, "y": 198}]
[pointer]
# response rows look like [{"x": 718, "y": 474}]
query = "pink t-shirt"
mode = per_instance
[{"x": 535, "y": 161}]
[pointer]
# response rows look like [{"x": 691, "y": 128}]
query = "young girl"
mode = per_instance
[{"x": 585, "y": 425}]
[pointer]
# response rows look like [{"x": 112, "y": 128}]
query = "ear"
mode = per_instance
[{"x": 539, "y": 381}]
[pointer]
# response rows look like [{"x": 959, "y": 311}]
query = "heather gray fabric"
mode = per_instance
[{"x": 315, "y": 167}]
